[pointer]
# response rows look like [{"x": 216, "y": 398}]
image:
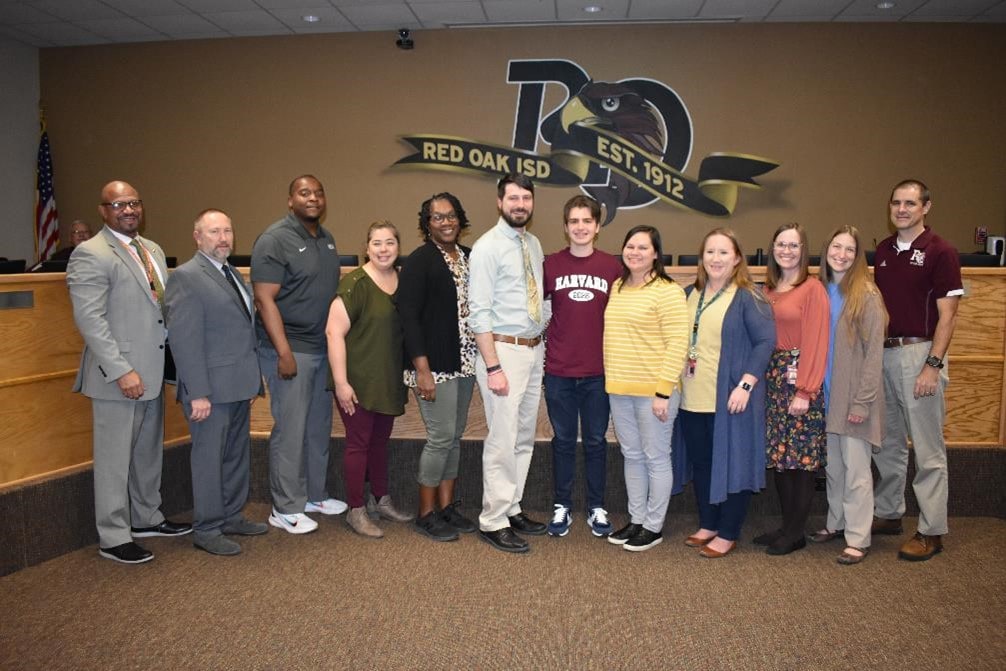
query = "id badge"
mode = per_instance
[
  {"x": 791, "y": 374},
  {"x": 690, "y": 367}
]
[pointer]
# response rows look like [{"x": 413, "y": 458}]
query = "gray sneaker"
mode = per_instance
[
  {"x": 386, "y": 509},
  {"x": 360, "y": 522},
  {"x": 217, "y": 545}
]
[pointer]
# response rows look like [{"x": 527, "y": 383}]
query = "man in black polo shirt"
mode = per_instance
[
  {"x": 919, "y": 275},
  {"x": 295, "y": 275}
]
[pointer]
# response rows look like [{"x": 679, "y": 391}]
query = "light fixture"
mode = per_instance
[
  {"x": 311, "y": 18},
  {"x": 592, "y": 9},
  {"x": 886, "y": 4}
]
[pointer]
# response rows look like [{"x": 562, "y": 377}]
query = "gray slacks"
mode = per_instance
[
  {"x": 302, "y": 425},
  {"x": 128, "y": 454},
  {"x": 220, "y": 463}
]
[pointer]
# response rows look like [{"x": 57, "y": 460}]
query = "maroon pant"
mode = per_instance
[{"x": 366, "y": 453}]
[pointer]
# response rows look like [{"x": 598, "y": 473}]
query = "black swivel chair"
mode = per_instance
[
  {"x": 240, "y": 260},
  {"x": 979, "y": 260},
  {"x": 688, "y": 259},
  {"x": 12, "y": 266},
  {"x": 349, "y": 260}
]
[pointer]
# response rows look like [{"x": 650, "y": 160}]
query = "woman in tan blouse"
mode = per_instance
[{"x": 853, "y": 395}]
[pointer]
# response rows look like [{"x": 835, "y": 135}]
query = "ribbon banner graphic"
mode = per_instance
[{"x": 624, "y": 143}]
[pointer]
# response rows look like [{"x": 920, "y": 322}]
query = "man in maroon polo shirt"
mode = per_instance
[{"x": 919, "y": 276}]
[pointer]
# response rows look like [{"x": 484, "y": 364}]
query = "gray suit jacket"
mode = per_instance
[
  {"x": 119, "y": 319},
  {"x": 212, "y": 338}
]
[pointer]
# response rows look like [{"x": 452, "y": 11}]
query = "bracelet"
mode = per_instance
[
  {"x": 497, "y": 371},
  {"x": 663, "y": 396},
  {"x": 746, "y": 386},
  {"x": 493, "y": 369}
]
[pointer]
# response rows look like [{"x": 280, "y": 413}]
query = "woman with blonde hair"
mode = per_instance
[
  {"x": 794, "y": 428},
  {"x": 719, "y": 443},
  {"x": 852, "y": 390}
]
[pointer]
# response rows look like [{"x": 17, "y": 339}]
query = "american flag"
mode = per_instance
[{"x": 46, "y": 216}]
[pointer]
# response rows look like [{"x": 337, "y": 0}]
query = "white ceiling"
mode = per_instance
[{"x": 58, "y": 23}]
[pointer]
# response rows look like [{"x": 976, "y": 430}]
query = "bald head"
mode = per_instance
[{"x": 121, "y": 208}]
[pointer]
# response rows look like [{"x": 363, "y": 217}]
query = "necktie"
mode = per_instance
[
  {"x": 533, "y": 298},
  {"x": 152, "y": 277},
  {"x": 237, "y": 289}
]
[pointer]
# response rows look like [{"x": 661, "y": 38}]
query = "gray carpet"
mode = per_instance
[{"x": 333, "y": 600}]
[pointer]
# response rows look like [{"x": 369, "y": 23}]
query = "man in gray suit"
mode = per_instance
[
  {"x": 116, "y": 281},
  {"x": 209, "y": 312}
]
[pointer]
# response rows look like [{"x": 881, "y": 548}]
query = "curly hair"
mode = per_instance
[{"x": 426, "y": 211}]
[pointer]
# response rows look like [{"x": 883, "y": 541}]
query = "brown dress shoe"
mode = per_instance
[
  {"x": 921, "y": 547},
  {"x": 360, "y": 522},
  {"x": 884, "y": 527}
]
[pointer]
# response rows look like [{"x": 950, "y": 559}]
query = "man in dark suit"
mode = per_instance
[
  {"x": 209, "y": 311},
  {"x": 116, "y": 281}
]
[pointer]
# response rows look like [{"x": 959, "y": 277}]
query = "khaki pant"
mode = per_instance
[
  {"x": 920, "y": 419},
  {"x": 512, "y": 421}
]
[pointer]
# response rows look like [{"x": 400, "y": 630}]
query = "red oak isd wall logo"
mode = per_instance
[{"x": 626, "y": 143}]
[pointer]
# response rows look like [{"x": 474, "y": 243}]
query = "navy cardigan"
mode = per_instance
[{"x": 738, "y": 464}]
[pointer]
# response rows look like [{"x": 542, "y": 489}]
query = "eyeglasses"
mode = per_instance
[
  {"x": 439, "y": 218},
  {"x": 790, "y": 246},
  {"x": 123, "y": 204}
]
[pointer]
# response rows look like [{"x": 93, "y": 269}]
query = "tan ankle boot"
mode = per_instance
[
  {"x": 360, "y": 523},
  {"x": 387, "y": 510}
]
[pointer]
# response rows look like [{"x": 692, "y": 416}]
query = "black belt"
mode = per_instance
[{"x": 907, "y": 340}]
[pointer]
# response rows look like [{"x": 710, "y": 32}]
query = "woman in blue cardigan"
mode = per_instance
[
  {"x": 719, "y": 440},
  {"x": 440, "y": 352}
]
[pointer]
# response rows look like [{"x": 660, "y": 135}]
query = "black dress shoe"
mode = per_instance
[
  {"x": 505, "y": 539},
  {"x": 526, "y": 525},
  {"x": 165, "y": 528},
  {"x": 127, "y": 553}
]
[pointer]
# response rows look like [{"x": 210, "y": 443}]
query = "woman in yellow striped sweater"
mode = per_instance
[{"x": 645, "y": 340}]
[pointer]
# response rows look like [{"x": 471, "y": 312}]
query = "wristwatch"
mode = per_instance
[
  {"x": 934, "y": 361},
  {"x": 746, "y": 386}
]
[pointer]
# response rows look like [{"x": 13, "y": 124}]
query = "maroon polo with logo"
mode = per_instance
[{"x": 912, "y": 280}]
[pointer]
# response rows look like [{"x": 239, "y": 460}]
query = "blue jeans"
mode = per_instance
[
  {"x": 727, "y": 517},
  {"x": 567, "y": 399}
]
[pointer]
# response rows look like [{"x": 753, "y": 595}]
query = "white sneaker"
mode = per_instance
[
  {"x": 297, "y": 523},
  {"x": 326, "y": 507}
]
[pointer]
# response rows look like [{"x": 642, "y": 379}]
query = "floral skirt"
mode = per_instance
[{"x": 791, "y": 441}]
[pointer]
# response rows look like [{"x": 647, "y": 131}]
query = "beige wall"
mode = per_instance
[{"x": 846, "y": 109}]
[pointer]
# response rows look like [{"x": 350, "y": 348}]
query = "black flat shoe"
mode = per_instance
[
  {"x": 784, "y": 545},
  {"x": 524, "y": 524},
  {"x": 767, "y": 538},
  {"x": 505, "y": 539}
]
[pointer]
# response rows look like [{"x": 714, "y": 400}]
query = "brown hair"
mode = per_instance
[
  {"x": 855, "y": 287},
  {"x": 772, "y": 272}
]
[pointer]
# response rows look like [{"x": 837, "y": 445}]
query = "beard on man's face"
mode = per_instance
[{"x": 517, "y": 218}]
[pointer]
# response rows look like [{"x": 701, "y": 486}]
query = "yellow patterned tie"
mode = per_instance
[
  {"x": 148, "y": 266},
  {"x": 533, "y": 298}
]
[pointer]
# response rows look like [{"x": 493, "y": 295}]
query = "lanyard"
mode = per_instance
[{"x": 693, "y": 353}]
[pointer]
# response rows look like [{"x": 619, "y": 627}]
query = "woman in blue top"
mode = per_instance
[{"x": 853, "y": 396}]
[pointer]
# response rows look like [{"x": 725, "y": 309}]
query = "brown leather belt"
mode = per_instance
[
  {"x": 898, "y": 342},
  {"x": 515, "y": 340}
]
